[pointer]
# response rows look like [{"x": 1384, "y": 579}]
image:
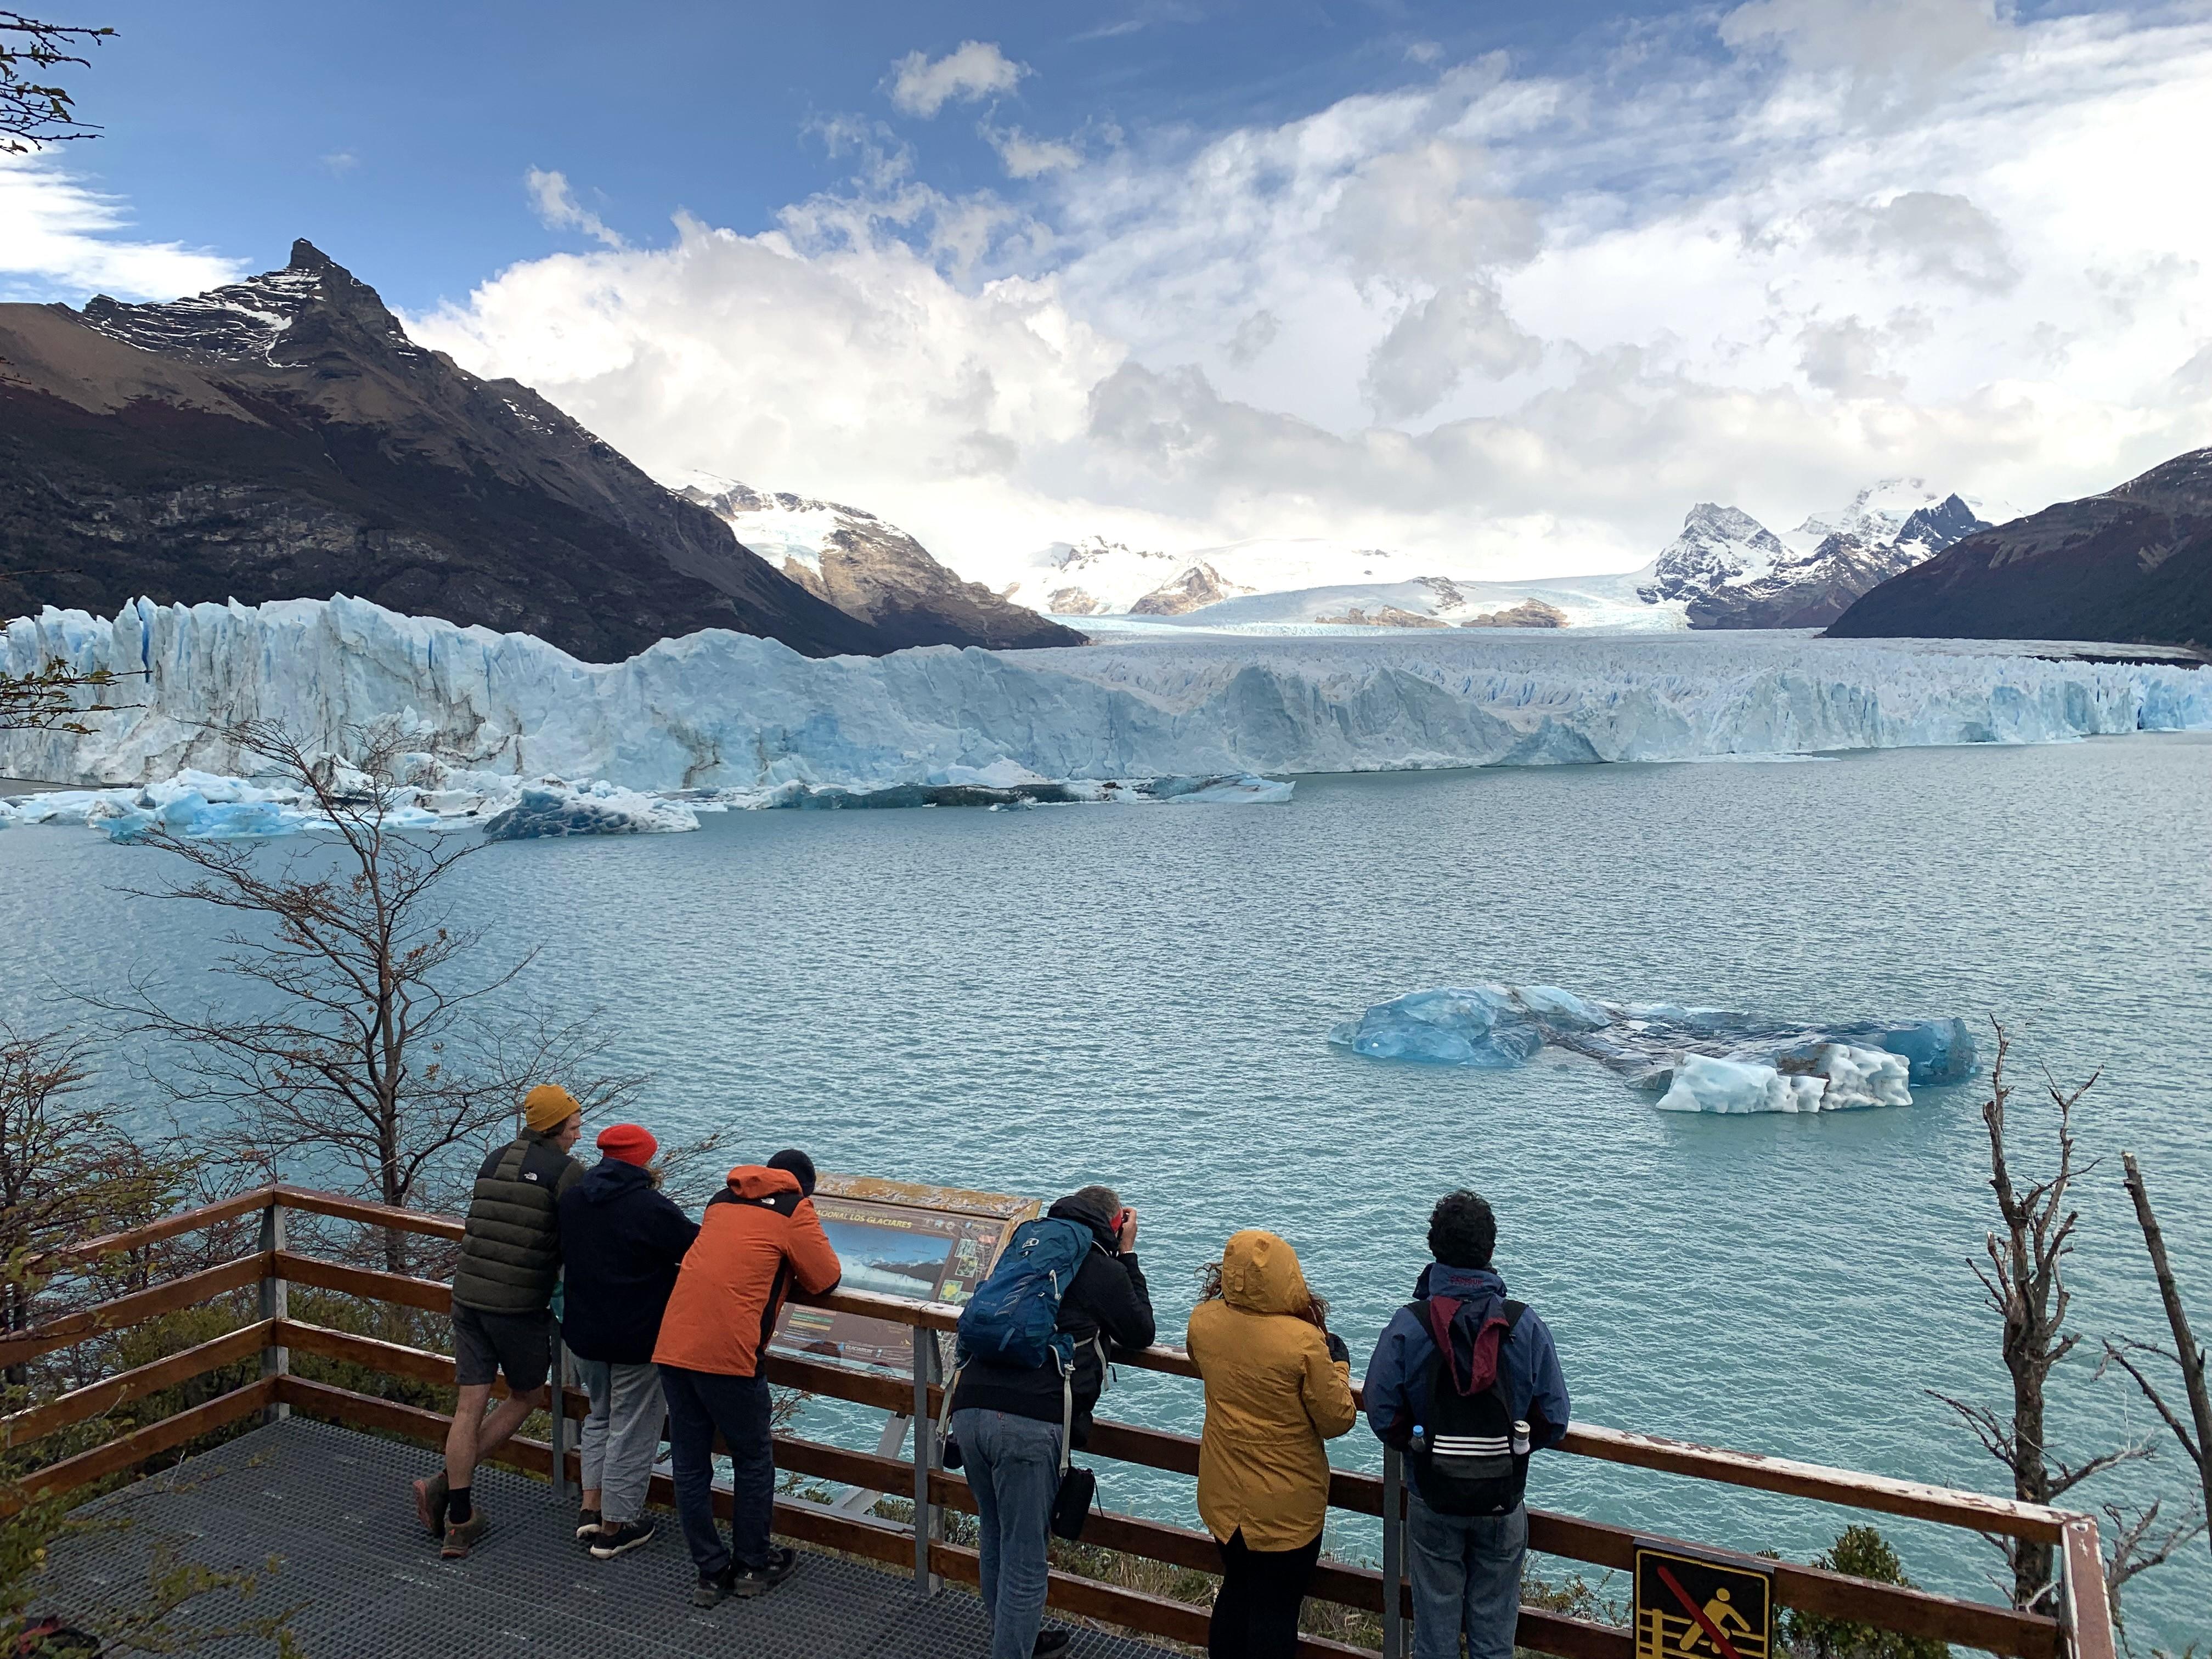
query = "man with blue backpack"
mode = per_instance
[
  {"x": 1466, "y": 1384},
  {"x": 1031, "y": 1363}
]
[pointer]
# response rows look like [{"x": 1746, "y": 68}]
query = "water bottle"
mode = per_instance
[{"x": 1519, "y": 1438}]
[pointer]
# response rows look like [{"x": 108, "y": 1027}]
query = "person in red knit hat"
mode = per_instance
[{"x": 622, "y": 1241}]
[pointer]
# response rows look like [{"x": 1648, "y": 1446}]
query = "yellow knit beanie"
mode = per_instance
[{"x": 548, "y": 1107}]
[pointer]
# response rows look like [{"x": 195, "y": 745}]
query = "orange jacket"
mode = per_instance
[{"x": 758, "y": 1235}]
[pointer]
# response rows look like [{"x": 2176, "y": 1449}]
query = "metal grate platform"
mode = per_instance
[{"x": 332, "y": 1506}]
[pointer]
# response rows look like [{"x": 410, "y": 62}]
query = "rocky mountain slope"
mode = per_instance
[
  {"x": 1730, "y": 571},
  {"x": 2133, "y": 565},
  {"x": 282, "y": 438},
  {"x": 872, "y": 570}
]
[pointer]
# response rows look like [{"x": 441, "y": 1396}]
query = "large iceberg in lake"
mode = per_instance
[
  {"x": 1699, "y": 1059},
  {"x": 720, "y": 711}
]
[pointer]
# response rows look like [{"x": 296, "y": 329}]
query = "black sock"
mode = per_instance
[{"x": 458, "y": 1507}]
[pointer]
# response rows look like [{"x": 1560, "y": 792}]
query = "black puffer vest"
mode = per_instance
[{"x": 511, "y": 1252}]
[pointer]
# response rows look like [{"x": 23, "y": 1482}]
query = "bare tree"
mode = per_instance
[
  {"x": 2024, "y": 1281},
  {"x": 368, "y": 1046},
  {"x": 69, "y": 1171},
  {"x": 32, "y": 111},
  {"x": 2185, "y": 1356}
]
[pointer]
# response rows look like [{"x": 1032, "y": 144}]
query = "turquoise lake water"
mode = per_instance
[{"x": 1028, "y": 1001}]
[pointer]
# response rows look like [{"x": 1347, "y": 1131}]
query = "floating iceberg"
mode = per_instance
[
  {"x": 1702, "y": 1060},
  {"x": 720, "y": 711},
  {"x": 602, "y": 809}
]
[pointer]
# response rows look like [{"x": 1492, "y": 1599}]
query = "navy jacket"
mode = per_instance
[
  {"x": 1397, "y": 1376},
  {"x": 622, "y": 1242}
]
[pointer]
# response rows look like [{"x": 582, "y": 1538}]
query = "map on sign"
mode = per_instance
[
  {"x": 895, "y": 1238},
  {"x": 1695, "y": 1607}
]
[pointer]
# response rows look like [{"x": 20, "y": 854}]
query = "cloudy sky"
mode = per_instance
[{"x": 1436, "y": 277}]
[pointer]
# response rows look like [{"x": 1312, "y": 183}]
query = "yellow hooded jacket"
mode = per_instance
[{"x": 1272, "y": 1396}]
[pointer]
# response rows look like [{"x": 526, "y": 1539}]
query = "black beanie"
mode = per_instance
[{"x": 797, "y": 1163}]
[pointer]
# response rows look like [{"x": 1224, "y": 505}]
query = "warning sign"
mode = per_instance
[{"x": 1690, "y": 1606}]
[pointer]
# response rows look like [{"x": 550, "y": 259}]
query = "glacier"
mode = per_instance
[
  {"x": 754, "y": 722},
  {"x": 1697, "y": 1059}
]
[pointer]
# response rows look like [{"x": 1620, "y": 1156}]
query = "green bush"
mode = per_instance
[{"x": 1861, "y": 1552}]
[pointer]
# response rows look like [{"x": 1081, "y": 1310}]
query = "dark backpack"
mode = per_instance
[{"x": 1467, "y": 1458}]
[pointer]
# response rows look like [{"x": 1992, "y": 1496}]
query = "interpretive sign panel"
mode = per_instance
[
  {"x": 1695, "y": 1607},
  {"x": 897, "y": 1238}
]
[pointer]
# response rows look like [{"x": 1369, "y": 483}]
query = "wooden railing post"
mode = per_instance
[
  {"x": 1394, "y": 1554},
  {"x": 2085, "y": 1612},
  {"x": 926, "y": 1521},
  {"x": 275, "y": 1302}
]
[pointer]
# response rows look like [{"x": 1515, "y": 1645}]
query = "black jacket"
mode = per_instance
[
  {"x": 622, "y": 1242},
  {"x": 511, "y": 1247},
  {"x": 1108, "y": 1299}
]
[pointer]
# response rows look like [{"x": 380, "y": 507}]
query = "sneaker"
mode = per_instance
[
  {"x": 1050, "y": 1641},
  {"x": 759, "y": 1581},
  {"x": 713, "y": 1586},
  {"x": 462, "y": 1535},
  {"x": 617, "y": 1540},
  {"x": 587, "y": 1526},
  {"x": 431, "y": 1504}
]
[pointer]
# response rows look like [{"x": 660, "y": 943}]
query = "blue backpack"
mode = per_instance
[{"x": 1014, "y": 1315}]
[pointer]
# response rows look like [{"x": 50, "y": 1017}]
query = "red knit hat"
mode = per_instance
[{"x": 632, "y": 1143}]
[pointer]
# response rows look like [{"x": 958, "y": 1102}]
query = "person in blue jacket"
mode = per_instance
[{"x": 1468, "y": 1453}]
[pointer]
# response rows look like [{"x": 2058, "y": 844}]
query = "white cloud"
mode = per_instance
[
  {"x": 1024, "y": 157},
  {"x": 922, "y": 85},
  {"x": 1513, "y": 319},
  {"x": 60, "y": 239},
  {"x": 557, "y": 208},
  {"x": 339, "y": 162}
]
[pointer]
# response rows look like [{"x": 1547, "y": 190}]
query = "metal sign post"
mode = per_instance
[{"x": 1394, "y": 1554}]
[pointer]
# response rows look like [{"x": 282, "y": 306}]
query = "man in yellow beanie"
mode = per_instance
[{"x": 502, "y": 1298}]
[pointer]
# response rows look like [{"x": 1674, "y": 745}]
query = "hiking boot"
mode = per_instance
[
  {"x": 713, "y": 1586},
  {"x": 587, "y": 1526},
  {"x": 431, "y": 1504},
  {"x": 621, "y": 1539},
  {"x": 759, "y": 1581},
  {"x": 462, "y": 1535},
  {"x": 1050, "y": 1641}
]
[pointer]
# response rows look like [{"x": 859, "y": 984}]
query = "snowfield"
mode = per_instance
[{"x": 725, "y": 712}]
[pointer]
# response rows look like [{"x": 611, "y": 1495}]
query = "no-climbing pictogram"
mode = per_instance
[{"x": 1691, "y": 1606}]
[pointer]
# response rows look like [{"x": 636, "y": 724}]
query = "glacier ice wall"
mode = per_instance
[{"x": 720, "y": 710}]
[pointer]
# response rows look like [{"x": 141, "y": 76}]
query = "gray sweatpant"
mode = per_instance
[{"x": 621, "y": 1435}]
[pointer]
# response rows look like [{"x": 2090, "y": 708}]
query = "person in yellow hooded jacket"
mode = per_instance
[{"x": 1278, "y": 1386}]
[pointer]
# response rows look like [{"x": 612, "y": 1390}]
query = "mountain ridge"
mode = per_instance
[
  {"x": 282, "y": 438},
  {"x": 2132, "y": 566}
]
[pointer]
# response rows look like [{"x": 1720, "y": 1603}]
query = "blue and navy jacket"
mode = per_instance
[{"x": 1397, "y": 1375}]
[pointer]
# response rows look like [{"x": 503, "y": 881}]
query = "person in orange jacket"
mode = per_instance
[{"x": 759, "y": 1237}]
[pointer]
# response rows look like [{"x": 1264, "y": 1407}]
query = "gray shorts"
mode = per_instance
[{"x": 486, "y": 1344}]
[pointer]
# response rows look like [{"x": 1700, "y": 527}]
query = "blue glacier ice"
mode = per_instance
[
  {"x": 725, "y": 712},
  {"x": 546, "y": 810},
  {"x": 1700, "y": 1059}
]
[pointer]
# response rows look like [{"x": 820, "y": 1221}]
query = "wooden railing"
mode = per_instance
[{"x": 2081, "y": 1627}]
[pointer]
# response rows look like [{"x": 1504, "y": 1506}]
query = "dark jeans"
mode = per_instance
[
  {"x": 699, "y": 1403},
  {"x": 1012, "y": 1465},
  {"x": 1255, "y": 1614}
]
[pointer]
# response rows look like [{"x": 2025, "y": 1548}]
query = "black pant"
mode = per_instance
[{"x": 1255, "y": 1616}]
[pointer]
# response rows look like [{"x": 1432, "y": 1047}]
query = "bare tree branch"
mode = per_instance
[{"x": 2023, "y": 1280}]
